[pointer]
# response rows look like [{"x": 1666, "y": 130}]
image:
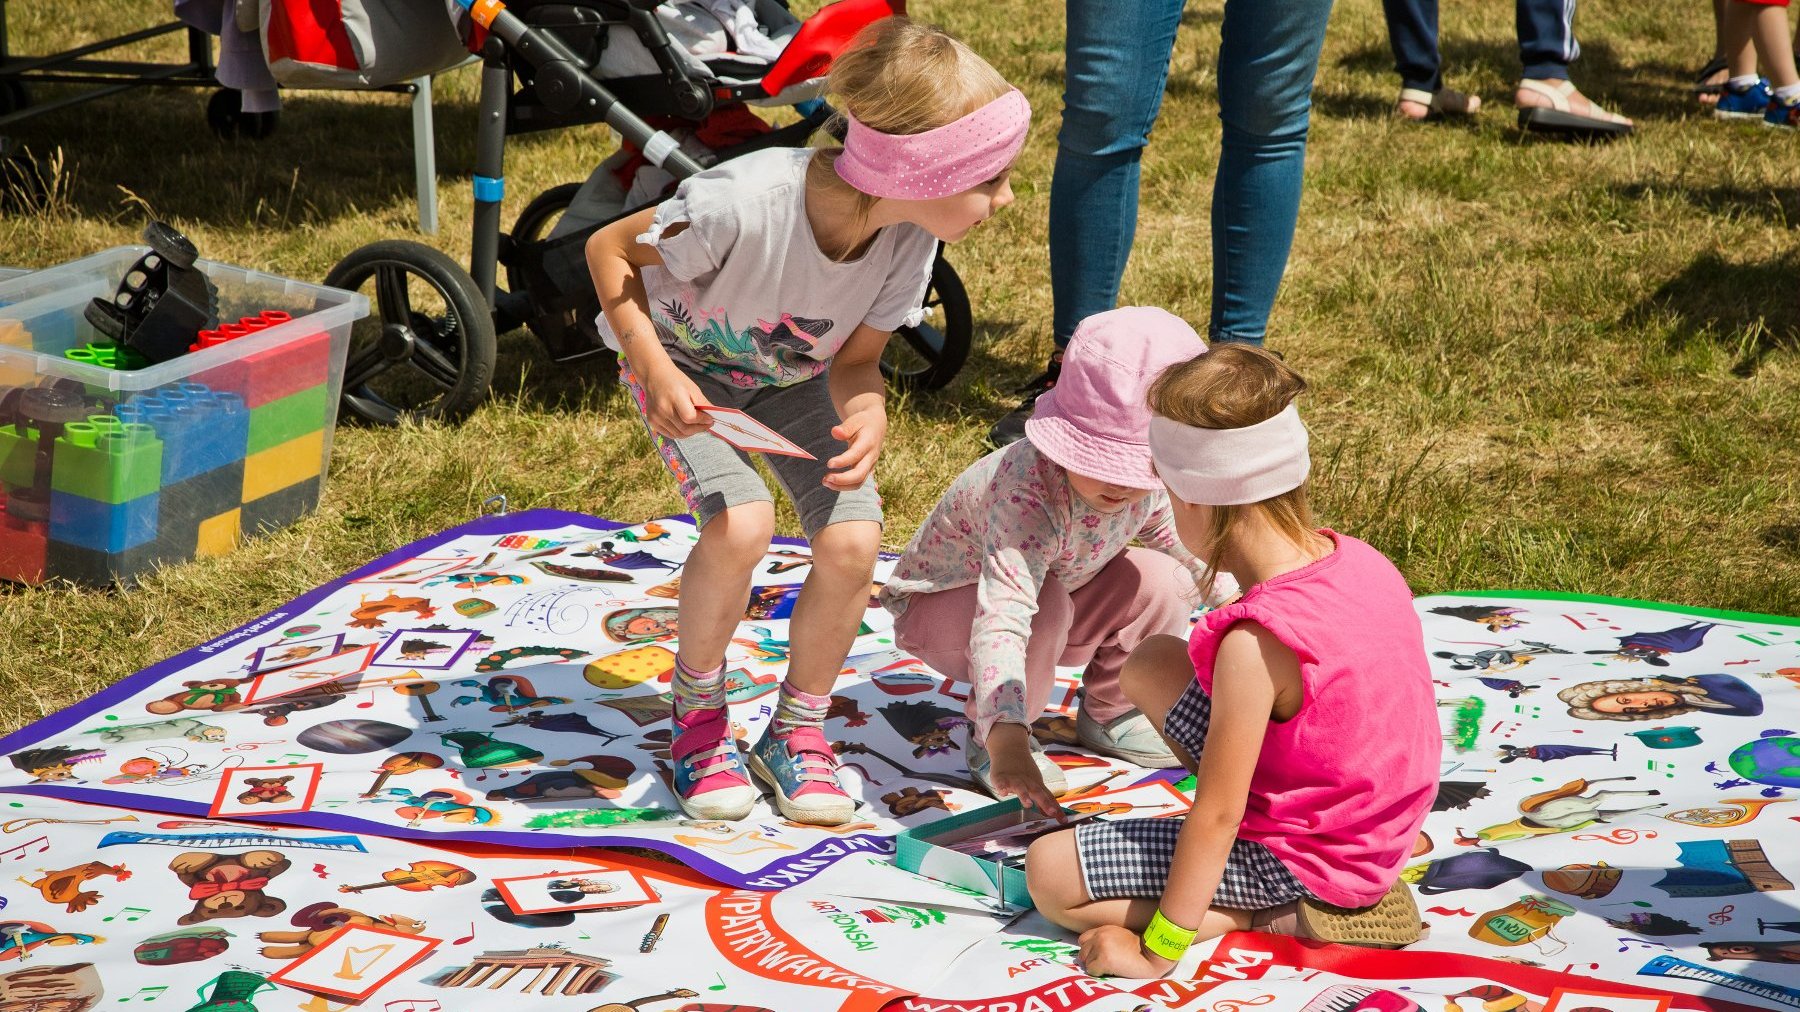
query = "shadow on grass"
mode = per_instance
[
  {"x": 1772, "y": 205},
  {"x": 1747, "y": 309},
  {"x": 329, "y": 157}
]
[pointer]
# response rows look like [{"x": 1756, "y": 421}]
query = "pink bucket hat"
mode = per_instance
[{"x": 1095, "y": 421}]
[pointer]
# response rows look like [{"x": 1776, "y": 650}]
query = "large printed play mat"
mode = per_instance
[{"x": 406, "y": 790}]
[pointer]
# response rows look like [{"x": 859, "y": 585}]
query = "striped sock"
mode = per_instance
[
  {"x": 697, "y": 690},
  {"x": 796, "y": 709}
]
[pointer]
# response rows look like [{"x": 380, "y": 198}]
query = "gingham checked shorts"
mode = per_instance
[{"x": 1131, "y": 857}]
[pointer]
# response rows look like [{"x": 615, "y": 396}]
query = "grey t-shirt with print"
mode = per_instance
[{"x": 745, "y": 293}]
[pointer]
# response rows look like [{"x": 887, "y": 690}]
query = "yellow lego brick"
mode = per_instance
[
  {"x": 219, "y": 535},
  {"x": 14, "y": 372},
  {"x": 283, "y": 464}
]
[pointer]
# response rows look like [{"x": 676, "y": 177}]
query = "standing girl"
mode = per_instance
[
  {"x": 1024, "y": 565},
  {"x": 1307, "y": 703},
  {"x": 827, "y": 252}
]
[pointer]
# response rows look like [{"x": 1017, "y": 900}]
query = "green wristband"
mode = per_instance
[{"x": 1165, "y": 939}]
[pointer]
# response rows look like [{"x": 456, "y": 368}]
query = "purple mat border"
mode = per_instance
[{"x": 498, "y": 524}]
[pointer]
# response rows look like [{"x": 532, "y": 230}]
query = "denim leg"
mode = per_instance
[
  {"x": 1413, "y": 35},
  {"x": 1268, "y": 56},
  {"x": 1547, "y": 38},
  {"x": 1117, "y": 64}
]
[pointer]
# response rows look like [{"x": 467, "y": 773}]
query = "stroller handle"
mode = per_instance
[{"x": 563, "y": 84}]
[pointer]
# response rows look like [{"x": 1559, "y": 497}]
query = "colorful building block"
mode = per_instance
[
  {"x": 188, "y": 504},
  {"x": 201, "y": 429},
  {"x": 105, "y": 460},
  {"x": 106, "y": 527},
  {"x": 218, "y": 535},
  {"x": 287, "y": 368},
  {"x": 289, "y": 417},
  {"x": 23, "y": 549},
  {"x": 282, "y": 465},
  {"x": 18, "y": 455},
  {"x": 83, "y": 565},
  {"x": 279, "y": 509}
]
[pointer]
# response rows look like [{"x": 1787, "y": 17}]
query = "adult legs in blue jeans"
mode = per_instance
[{"x": 1117, "y": 64}]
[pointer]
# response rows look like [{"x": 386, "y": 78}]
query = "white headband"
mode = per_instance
[{"x": 1230, "y": 467}]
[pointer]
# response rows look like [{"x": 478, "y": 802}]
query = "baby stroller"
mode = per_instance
[{"x": 428, "y": 349}]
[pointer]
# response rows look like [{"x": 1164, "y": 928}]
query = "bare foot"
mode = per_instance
[
  {"x": 1567, "y": 99},
  {"x": 1719, "y": 78}
]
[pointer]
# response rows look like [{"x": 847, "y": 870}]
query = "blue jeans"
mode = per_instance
[{"x": 1117, "y": 63}]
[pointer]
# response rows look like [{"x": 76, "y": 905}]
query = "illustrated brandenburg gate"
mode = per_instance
[{"x": 559, "y": 970}]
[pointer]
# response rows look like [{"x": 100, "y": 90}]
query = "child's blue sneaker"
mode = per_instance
[
  {"x": 1744, "y": 103},
  {"x": 1783, "y": 115}
]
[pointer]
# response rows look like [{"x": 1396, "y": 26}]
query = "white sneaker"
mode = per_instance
[
  {"x": 1130, "y": 737},
  {"x": 980, "y": 762}
]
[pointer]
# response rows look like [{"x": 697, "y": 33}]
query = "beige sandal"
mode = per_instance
[
  {"x": 1560, "y": 118},
  {"x": 1438, "y": 104}
]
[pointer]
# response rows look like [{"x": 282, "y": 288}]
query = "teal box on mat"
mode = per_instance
[{"x": 924, "y": 850}]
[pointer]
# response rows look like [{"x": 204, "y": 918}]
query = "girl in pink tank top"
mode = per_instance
[{"x": 1305, "y": 708}]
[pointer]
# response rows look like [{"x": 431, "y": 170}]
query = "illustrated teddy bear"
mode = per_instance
[
  {"x": 266, "y": 791},
  {"x": 229, "y": 885},
  {"x": 216, "y": 695}
]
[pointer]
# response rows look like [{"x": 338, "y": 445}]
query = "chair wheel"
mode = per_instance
[
  {"x": 928, "y": 356},
  {"x": 426, "y": 351}
]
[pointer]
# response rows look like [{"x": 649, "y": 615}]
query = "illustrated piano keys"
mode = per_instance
[
  {"x": 231, "y": 841},
  {"x": 1681, "y": 969}
]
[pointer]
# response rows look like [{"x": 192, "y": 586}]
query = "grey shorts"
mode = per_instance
[
  {"x": 714, "y": 475},
  {"x": 1128, "y": 858}
]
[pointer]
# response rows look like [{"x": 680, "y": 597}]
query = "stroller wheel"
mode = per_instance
[
  {"x": 427, "y": 349},
  {"x": 225, "y": 114},
  {"x": 539, "y": 217},
  {"x": 928, "y": 356}
]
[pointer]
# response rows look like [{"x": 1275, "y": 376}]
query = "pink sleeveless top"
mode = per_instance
[{"x": 1342, "y": 788}]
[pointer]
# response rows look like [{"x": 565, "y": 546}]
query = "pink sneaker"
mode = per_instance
[
  {"x": 710, "y": 780},
  {"x": 803, "y": 770}
]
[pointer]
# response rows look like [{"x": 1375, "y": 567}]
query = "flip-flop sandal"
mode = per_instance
[
  {"x": 1559, "y": 119},
  {"x": 1716, "y": 65},
  {"x": 1391, "y": 923},
  {"x": 1439, "y": 104}
]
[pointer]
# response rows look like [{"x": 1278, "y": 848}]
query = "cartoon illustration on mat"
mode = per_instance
[
  {"x": 1662, "y": 697},
  {"x": 1654, "y": 648}
]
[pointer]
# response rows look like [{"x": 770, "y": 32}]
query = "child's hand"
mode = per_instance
[
  {"x": 864, "y": 431},
  {"x": 669, "y": 399},
  {"x": 1114, "y": 951},
  {"x": 1014, "y": 772}
]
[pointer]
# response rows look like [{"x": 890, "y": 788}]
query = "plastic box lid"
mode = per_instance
[{"x": 49, "y": 304}]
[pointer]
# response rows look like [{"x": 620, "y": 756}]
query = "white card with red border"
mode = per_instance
[
  {"x": 748, "y": 434},
  {"x": 587, "y": 889},
  {"x": 251, "y": 791},
  {"x": 356, "y": 962}
]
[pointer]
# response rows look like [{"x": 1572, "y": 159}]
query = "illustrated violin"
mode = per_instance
[{"x": 418, "y": 877}]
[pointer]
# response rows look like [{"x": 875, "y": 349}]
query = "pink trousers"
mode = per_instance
[{"x": 1137, "y": 595}]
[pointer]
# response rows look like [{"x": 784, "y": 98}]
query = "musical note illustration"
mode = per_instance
[
  {"x": 720, "y": 986},
  {"x": 1618, "y": 837},
  {"x": 1721, "y": 915},
  {"x": 319, "y": 870},
  {"x": 146, "y": 994},
  {"x": 128, "y": 913},
  {"x": 17, "y": 853},
  {"x": 466, "y": 939},
  {"x": 414, "y": 1005},
  {"x": 1625, "y": 944},
  {"x": 287, "y": 760}
]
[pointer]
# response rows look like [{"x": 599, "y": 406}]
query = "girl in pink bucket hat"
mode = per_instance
[
  {"x": 1025, "y": 563},
  {"x": 1307, "y": 703}
]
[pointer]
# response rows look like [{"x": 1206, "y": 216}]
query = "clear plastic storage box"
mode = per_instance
[{"x": 109, "y": 466}]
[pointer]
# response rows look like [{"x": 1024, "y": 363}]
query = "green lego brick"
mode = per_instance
[
  {"x": 289, "y": 417},
  {"x": 18, "y": 455},
  {"x": 107, "y": 462}
]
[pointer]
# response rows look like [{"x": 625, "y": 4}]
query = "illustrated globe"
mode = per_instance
[{"x": 1773, "y": 761}]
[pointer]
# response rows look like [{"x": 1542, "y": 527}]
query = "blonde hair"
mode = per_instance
[
  {"x": 901, "y": 76},
  {"x": 1231, "y": 386}
]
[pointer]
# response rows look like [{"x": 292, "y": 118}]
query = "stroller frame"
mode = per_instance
[{"x": 449, "y": 358}]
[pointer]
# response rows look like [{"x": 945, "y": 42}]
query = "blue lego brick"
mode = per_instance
[
  {"x": 103, "y": 527},
  {"x": 201, "y": 429}
]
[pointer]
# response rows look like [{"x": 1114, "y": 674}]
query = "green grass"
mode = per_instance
[{"x": 1534, "y": 365}]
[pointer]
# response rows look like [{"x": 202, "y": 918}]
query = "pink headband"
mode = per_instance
[
  {"x": 950, "y": 159},
  {"x": 1230, "y": 467}
]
